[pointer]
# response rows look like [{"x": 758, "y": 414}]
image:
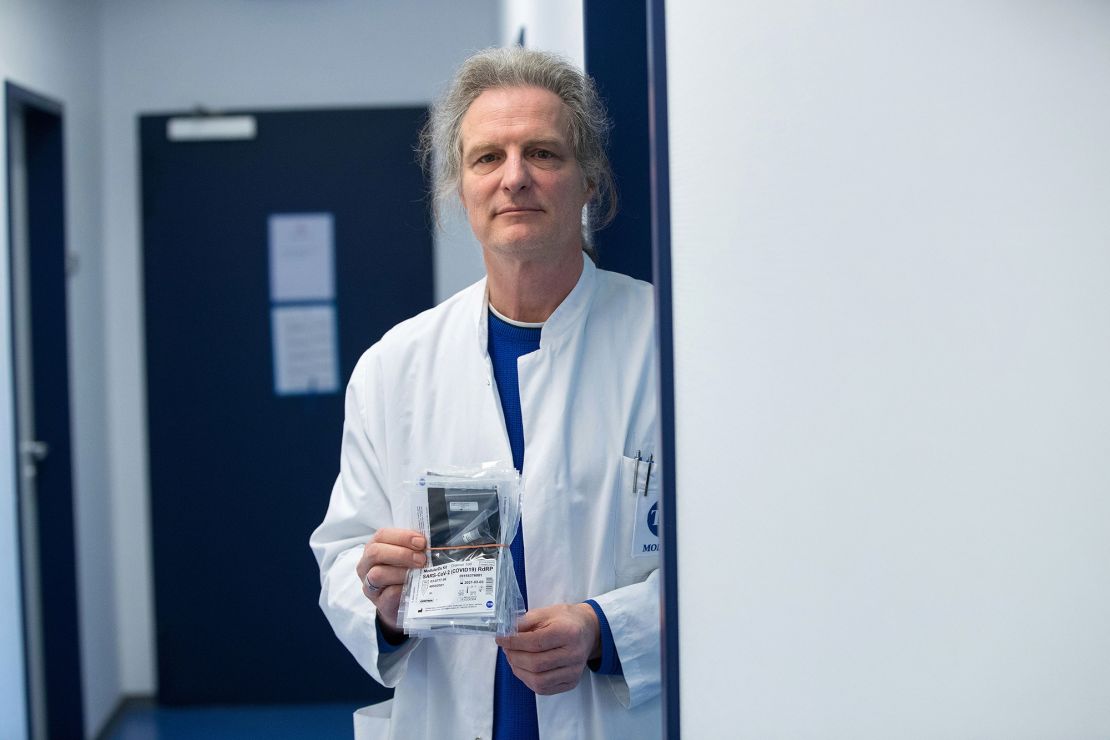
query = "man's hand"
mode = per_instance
[
  {"x": 551, "y": 647},
  {"x": 386, "y": 560}
]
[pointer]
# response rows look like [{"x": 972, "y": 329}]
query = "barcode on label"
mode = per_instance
[{"x": 489, "y": 586}]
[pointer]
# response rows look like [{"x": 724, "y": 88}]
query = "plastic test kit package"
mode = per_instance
[{"x": 469, "y": 517}]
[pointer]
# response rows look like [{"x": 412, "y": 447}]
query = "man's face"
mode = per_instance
[{"x": 521, "y": 186}]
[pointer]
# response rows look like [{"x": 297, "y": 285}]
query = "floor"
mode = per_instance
[{"x": 151, "y": 722}]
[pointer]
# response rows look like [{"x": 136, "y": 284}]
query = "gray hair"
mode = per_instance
[{"x": 441, "y": 140}]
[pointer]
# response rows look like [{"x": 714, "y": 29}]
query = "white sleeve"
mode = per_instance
[
  {"x": 359, "y": 506},
  {"x": 633, "y": 615}
]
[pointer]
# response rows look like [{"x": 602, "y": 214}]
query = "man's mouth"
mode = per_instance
[{"x": 517, "y": 209}]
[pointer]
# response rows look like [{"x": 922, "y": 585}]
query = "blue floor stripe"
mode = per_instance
[{"x": 236, "y": 723}]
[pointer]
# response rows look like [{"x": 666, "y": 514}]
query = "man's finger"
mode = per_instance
[
  {"x": 530, "y": 633},
  {"x": 409, "y": 538},
  {"x": 532, "y": 619},
  {"x": 389, "y": 598},
  {"x": 380, "y": 553},
  {"x": 529, "y": 642},
  {"x": 550, "y": 682},
  {"x": 548, "y": 660},
  {"x": 385, "y": 575},
  {"x": 386, "y": 602}
]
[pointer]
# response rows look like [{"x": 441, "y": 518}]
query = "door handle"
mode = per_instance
[{"x": 34, "y": 450}]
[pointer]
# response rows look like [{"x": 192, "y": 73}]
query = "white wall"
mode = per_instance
[
  {"x": 161, "y": 57},
  {"x": 50, "y": 46},
  {"x": 549, "y": 25},
  {"x": 891, "y": 243}
]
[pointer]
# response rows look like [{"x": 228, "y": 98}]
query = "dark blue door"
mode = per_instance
[
  {"x": 239, "y": 473},
  {"x": 46, "y": 485}
]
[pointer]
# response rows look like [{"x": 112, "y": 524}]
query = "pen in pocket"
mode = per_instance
[{"x": 636, "y": 472}]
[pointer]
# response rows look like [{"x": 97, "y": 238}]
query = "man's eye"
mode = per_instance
[
  {"x": 543, "y": 154},
  {"x": 486, "y": 159}
]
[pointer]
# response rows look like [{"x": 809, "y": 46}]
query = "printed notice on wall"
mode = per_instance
[
  {"x": 302, "y": 257},
  {"x": 305, "y": 352}
]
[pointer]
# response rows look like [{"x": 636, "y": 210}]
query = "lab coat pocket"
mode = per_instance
[
  {"x": 373, "y": 722},
  {"x": 636, "y": 529}
]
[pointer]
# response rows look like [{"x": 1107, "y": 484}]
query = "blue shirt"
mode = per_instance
[{"x": 514, "y": 704}]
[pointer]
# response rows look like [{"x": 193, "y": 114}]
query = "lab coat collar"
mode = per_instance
[{"x": 565, "y": 317}]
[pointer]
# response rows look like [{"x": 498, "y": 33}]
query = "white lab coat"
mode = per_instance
[{"x": 425, "y": 396}]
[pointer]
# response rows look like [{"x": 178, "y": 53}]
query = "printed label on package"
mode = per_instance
[{"x": 464, "y": 588}]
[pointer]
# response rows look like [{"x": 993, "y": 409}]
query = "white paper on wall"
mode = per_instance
[
  {"x": 305, "y": 353},
  {"x": 302, "y": 257}
]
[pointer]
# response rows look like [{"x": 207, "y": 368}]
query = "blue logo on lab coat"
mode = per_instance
[
  {"x": 489, "y": 604},
  {"x": 653, "y": 519}
]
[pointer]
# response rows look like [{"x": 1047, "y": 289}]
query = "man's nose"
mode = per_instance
[{"x": 515, "y": 175}]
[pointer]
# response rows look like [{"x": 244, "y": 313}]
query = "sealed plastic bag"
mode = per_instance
[{"x": 469, "y": 517}]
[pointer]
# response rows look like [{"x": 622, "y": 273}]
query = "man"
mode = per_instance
[{"x": 548, "y": 362}]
